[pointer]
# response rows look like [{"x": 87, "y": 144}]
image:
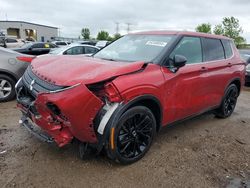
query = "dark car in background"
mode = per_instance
[
  {"x": 36, "y": 48},
  {"x": 245, "y": 56},
  {"x": 12, "y": 67}
]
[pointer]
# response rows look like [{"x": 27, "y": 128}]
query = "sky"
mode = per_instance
[{"x": 70, "y": 16}]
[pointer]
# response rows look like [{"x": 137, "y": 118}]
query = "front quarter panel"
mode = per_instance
[
  {"x": 78, "y": 105},
  {"x": 147, "y": 82}
]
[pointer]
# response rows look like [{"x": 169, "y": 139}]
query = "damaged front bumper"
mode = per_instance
[
  {"x": 61, "y": 115},
  {"x": 35, "y": 130}
]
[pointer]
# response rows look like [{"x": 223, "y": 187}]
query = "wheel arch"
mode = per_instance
[
  {"x": 147, "y": 100},
  {"x": 237, "y": 82},
  {"x": 10, "y": 74},
  {"x": 152, "y": 103}
]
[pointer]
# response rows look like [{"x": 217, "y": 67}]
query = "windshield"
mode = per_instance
[{"x": 133, "y": 48}]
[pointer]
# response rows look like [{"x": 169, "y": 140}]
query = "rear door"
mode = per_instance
[
  {"x": 185, "y": 90},
  {"x": 217, "y": 67}
]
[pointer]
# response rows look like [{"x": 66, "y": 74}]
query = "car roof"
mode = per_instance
[
  {"x": 187, "y": 33},
  {"x": 76, "y": 44}
]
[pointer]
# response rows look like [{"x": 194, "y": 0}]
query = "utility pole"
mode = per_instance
[
  {"x": 117, "y": 27},
  {"x": 128, "y": 26}
]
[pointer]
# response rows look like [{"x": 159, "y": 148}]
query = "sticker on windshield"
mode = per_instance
[{"x": 157, "y": 43}]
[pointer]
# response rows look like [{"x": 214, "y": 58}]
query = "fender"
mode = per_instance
[{"x": 6, "y": 72}]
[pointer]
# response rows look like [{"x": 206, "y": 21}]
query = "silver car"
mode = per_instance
[{"x": 12, "y": 67}]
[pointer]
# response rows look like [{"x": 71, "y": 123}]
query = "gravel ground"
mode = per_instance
[{"x": 202, "y": 152}]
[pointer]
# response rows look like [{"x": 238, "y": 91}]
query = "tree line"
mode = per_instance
[
  {"x": 229, "y": 27},
  {"x": 102, "y": 35}
]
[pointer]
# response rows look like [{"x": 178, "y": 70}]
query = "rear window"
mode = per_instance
[
  {"x": 90, "y": 50},
  {"x": 38, "y": 45},
  {"x": 61, "y": 43},
  {"x": 213, "y": 49},
  {"x": 11, "y": 40},
  {"x": 228, "y": 48}
]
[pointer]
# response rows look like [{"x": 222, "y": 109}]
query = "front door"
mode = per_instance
[{"x": 185, "y": 90}]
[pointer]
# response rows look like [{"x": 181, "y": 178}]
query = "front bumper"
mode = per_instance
[
  {"x": 33, "y": 129},
  {"x": 78, "y": 108}
]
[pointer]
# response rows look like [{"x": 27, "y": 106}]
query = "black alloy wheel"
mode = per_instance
[
  {"x": 134, "y": 134},
  {"x": 229, "y": 102}
]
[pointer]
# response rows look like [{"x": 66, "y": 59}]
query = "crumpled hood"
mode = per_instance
[{"x": 69, "y": 70}]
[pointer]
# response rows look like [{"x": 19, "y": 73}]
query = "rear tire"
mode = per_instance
[
  {"x": 133, "y": 135},
  {"x": 228, "y": 103},
  {"x": 7, "y": 88}
]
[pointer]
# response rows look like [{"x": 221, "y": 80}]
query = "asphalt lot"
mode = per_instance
[{"x": 202, "y": 152}]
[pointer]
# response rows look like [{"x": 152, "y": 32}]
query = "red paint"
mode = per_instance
[
  {"x": 189, "y": 91},
  {"x": 68, "y": 70}
]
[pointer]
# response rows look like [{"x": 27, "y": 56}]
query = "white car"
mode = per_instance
[
  {"x": 74, "y": 50},
  {"x": 102, "y": 43},
  {"x": 60, "y": 43},
  {"x": 13, "y": 43}
]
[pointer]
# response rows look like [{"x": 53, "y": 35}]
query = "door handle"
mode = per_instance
[
  {"x": 204, "y": 69},
  {"x": 229, "y": 64}
]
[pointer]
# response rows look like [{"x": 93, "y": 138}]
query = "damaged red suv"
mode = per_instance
[{"x": 120, "y": 97}]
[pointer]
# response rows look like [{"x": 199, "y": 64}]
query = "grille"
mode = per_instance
[{"x": 39, "y": 85}]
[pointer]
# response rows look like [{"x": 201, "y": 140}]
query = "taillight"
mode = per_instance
[
  {"x": 112, "y": 93},
  {"x": 25, "y": 58}
]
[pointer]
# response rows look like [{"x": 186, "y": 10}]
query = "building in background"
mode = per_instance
[{"x": 28, "y": 31}]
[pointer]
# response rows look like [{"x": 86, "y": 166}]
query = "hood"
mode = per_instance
[{"x": 70, "y": 70}]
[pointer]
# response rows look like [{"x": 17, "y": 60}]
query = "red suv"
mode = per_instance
[{"x": 120, "y": 97}]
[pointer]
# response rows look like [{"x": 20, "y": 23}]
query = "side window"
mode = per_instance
[
  {"x": 213, "y": 49},
  {"x": 228, "y": 48},
  {"x": 90, "y": 50},
  {"x": 75, "y": 50},
  {"x": 11, "y": 40},
  {"x": 52, "y": 45},
  {"x": 190, "y": 47},
  {"x": 38, "y": 45},
  {"x": 61, "y": 43}
]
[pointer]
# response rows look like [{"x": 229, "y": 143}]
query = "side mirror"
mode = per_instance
[
  {"x": 30, "y": 48},
  {"x": 179, "y": 61}
]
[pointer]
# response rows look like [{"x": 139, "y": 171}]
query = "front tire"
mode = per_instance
[
  {"x": 228, "y": 103},
  {"x": 7, "y": 88},
  {"x": 133, "y": 135}
]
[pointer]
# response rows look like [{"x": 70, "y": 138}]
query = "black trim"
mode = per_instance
[
  {"x": 165, "y": 55},
  {"x": 39, "y": 85},
  {"x": 231, "y": 81}
]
